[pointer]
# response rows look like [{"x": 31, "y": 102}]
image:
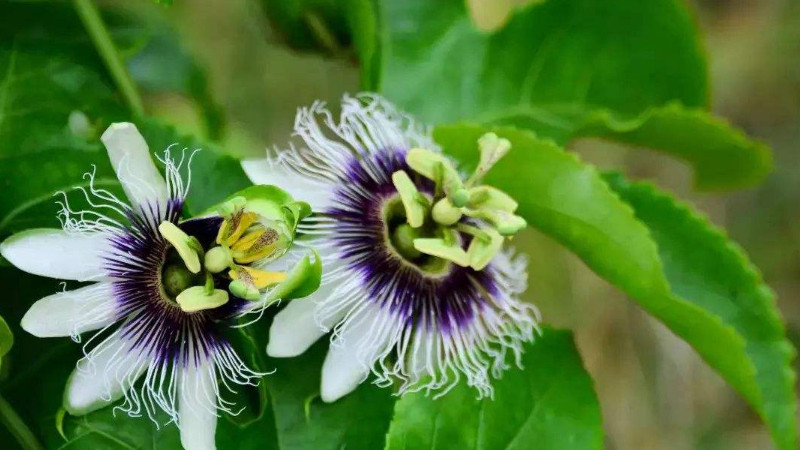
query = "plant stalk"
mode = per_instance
[
  {"x": 101, "y": 38},
  {"x": 17, "y": 427}
]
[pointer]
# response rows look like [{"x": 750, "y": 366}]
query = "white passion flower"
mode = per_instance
[
  {"x": 417, "y": 288},
  {"x": 162, "y": 289}
]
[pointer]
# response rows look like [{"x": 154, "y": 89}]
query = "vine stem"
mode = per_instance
[
  {"x": 87, "y": 11},
  {"x": 17, "y": 427}
]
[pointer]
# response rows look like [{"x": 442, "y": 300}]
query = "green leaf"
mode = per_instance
[
  {"x": 557, "y": 69},
  {"x": 550, "y": 404},
  {"x": 625, "y": 55},
  {"x": 570, "y": 202},
  {"x": 358, "y": 421},
  {"x": 704, "y": 267},
  {"x": 45, "y": 81},
  {"x": 722, "y": 156},
  {"x": 6, "y": 338}
]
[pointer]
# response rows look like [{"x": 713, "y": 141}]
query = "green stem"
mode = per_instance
[
  {"x": 17, "y": 427},
  {"x": 105, "y": 47}
]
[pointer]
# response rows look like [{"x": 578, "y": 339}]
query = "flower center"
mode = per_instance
[
  {"x": 176, "y": 278},
  {"x": 423, "y": 228},
  {"x": 400, "y": 237}
]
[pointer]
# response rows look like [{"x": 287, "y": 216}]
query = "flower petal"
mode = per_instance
[
  {"x": 104, "y": 375},
  {"x": 294, "y": 329},
  {"x": 58, "y": 254},
  {"x": 316, "y": 192},
  {"x": 350, "y": 357},
  {"x": 197, "y": 416},
  {"x": 72, "y": 312},
  {"x": 131, "y": 159}
]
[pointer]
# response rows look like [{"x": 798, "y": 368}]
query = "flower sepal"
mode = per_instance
[{"x": 302, "y": 280}]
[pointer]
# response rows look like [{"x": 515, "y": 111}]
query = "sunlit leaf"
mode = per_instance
[
  {"x": 570, "y": 202},
  {"x": 722, "y": 156},
  {"x": 704, "y": 267}
]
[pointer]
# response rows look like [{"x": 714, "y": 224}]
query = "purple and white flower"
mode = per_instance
[
  {"x": 416, "y": 287},
  {"x": 157, "y": 312}
]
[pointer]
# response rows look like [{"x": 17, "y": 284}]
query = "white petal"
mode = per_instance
[
  {"x": 317, "y": 193},
  {"x": 58, "y": 254},
  {"x": 103, "y": 376},
  {"x": 350, "y": 358},
  {"x": 294, "y": 329},
  {"x": 72, "y": 312},
  {"x": 197, "y": 417},
  {"x": 131, "y": 159}
]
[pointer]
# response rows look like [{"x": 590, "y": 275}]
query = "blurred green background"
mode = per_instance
[{"x": 655, "y": 391}]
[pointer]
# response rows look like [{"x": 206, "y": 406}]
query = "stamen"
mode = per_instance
[
  {"x": 234, "y": 227},
  {"x": 197, "y": 299},
  {"x": 484, "y": 246},
  {"x": 488, "y": 197},
  {"x": 414, "y": 203},
  {"x": 449, "y": 249},
  {"x": 185, "y": 245},
  {"x": 256, "y": 245},
  {"x": 505, "y": 222},
  {"x": 260, "y": 279}
]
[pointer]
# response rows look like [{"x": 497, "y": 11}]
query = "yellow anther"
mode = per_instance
[
  {"x": 183, "y": 245},
  {"x": 235, "y": 226},
  {"x": 257, "y": 278},
  {"x": 255, "y": 245}
]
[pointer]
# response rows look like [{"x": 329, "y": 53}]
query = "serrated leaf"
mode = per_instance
[
  {"x": 550, "y": 404},
  {"x": 438, "y": 65},
  {"x": 704, "y": 267},
  {"x": 722, "y": 156},
  {"x": 570, "y": 202}
]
